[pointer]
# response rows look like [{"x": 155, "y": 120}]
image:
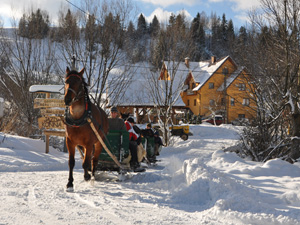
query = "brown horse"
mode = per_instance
[{"x": 78, "y": 130}]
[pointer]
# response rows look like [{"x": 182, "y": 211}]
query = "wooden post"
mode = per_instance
[
  {"x": 137, "y": 115},
  {"x": 47, "y": 143},
  {"x": 47, "y": 136},
  {"x": 225, "y": 72},
  {"x": 73, "y": 62},
  {"x": 49, "y": 133}
]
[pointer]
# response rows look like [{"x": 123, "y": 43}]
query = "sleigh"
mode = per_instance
[{"x": 117, "y": 142}]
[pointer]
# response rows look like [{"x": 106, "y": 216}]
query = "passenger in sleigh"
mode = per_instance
[
  {"x": 134, "y": 142},
  {"x": 116, "y": 123},
  {"x": 150, "y": 132}
]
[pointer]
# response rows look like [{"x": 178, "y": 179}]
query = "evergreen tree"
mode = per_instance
[
  {"x": 215, "y": 35},
  {"x": 69, "y": 27},
  {"x": 154, "y": 27},
  {"x": 142, "y": 25},
  {"x": 130, "y": 41},
  {"x": 179, "y": 22},
  {"x": 224, "y": 28},
  {"x": 195, "y": 26},
  {"x": 118, "y": 31},
  {"x": 34, "y": 26},
  {"x": 23, "y": 25},
  {"x": 91, "y": 33},
  {"x": 242, "y": 36},
  {"x": 198, "y": 36},
  {"x": 106, "y": 36},
  {"x": 172, "y": 19},
  {"x": 230, "y": 31},
  {"x": 160, "y": 50},
  {"x": 130, "y": 30}
]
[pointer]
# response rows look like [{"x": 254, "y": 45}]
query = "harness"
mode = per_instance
[
  {"x": 83, "y": 119},
  {"x": 87, "y": 113},
  {"x": 87, "y": 117}
]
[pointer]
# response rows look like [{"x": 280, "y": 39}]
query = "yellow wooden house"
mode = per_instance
[{"x": 205, "y": 95}]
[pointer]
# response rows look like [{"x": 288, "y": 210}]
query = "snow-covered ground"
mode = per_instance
[{"x": 195, "y": 183}]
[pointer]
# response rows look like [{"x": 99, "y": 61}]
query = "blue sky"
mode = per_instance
[{"x": 234, "y": 9}]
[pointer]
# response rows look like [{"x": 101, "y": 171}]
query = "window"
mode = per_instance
[
  {"x": 188, "y": 102},
  {"x": 241, "y": 116},
  {"x": 242, "y": 87},
  {"x": 211, "y": 102},
  {"x": 232, "y": 101},
  {"x": 246, "y": 101},
  {"x": 195, "y": 102},
  {"x": 211, "y": 85}
]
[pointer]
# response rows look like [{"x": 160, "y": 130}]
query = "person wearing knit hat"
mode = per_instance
[
  {"x": 114, "y": 121},
  {"x": 114, "y": 109}
]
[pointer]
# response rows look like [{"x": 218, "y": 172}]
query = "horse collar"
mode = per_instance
[{"x": 83, "y": 119}]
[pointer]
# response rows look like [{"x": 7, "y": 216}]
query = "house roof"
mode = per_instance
[
  {"x": 202, "y": 71},
  {"x": 138, "y": 90},
  {"x": 231, "y": 78}
]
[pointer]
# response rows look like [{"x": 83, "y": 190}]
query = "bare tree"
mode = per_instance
[
  {"x": 27, "y": 61},
  {"x": 273, "y": 58},
  {"x": 173, "y": 46},
  {"x": 99, "y": 47}
]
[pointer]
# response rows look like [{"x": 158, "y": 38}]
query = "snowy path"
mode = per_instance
[{"x": 195, "y": 183}]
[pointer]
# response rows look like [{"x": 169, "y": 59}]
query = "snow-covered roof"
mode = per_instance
[
  {"x": 202, "y": 71},
  {"x": 231, "y": 78},
  {"x": 139, "y": 87},
  {"x": 56, "y": 89}
]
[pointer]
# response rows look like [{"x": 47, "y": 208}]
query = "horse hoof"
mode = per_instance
[
  {"x": 87, "y": 177},
  {"x": 69, "y": 189}
]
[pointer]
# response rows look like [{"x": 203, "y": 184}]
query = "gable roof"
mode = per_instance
[
  {"x": 205, "y": 70},
  {"x": 231, "y": 78},
  {"x": 137, "y": 91}
]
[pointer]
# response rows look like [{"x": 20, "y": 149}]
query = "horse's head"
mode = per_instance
[{"x": 74, "y": 86}]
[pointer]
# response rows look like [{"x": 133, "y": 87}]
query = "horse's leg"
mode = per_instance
[
  {"x": 98, "y": 149},
  {"x": 87, "y": 161},
  {"x": 71, "y": 150}
]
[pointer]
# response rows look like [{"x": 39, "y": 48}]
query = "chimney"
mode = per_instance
[
  {"x": 187, "y": 62},
  {"x": 213, "y": 59}
]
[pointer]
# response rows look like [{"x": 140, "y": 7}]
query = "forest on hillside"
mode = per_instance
[{"x": 37, "y": 53}]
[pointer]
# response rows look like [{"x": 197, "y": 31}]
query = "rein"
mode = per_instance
[{"x": 87, "y": 116}]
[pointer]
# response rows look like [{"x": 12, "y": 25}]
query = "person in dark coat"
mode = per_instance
[
  {"x": 116, "y": 123},
  {"x": 157, "y": 140},
  {"x": 133, "y": 144}
]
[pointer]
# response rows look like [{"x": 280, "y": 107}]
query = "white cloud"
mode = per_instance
[
  {"x": 241, "y": 4},
  {"x": 245, "y": 5},
  {"x": 15, "y": 8},
  {"x": 164, "y": 15},
  {"x": 165, "y": 3}
]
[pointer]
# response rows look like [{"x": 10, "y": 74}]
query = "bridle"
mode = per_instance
[{"x": 78, "y": 94}]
